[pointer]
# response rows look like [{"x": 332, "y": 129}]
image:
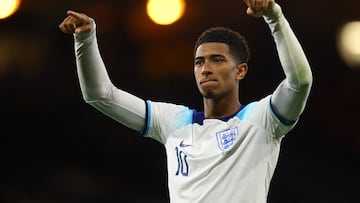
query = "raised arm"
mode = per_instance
[
  {"x": 96, "y": 86},
  {"x": 289, "y": 99}
]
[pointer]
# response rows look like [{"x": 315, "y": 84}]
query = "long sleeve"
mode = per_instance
[
  {"x": 289, "y": 99},
  {"x": 97, "y": 88}
]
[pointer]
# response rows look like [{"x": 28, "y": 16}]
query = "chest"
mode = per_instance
[{"x": 197, "y": 147}]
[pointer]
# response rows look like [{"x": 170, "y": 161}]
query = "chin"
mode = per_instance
[{"x": 208, "y": 94}]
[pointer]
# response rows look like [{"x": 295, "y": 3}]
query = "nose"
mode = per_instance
[{"x": 206, "y": 68}]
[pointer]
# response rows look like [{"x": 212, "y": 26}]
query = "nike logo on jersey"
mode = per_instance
[{"x": 184, "y": 145}]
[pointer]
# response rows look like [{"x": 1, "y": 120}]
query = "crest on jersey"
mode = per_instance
[{"x": 226, "y": 139}]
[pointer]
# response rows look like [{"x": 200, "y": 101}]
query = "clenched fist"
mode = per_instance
[{"x": 76, "y": 23}]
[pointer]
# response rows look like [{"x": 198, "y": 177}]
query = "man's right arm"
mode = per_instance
[
  {"x": 98, "y": 90},
  {"x": 96, "y": 86}
]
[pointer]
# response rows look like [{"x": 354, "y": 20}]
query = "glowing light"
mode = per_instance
[
  {"x": 8, "y": 7},
  {"x": 165, "y": 12},
  {"x": 348, "y": 42}
]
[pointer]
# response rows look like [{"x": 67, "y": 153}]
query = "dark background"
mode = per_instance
[{"x": 54, "y": 148}]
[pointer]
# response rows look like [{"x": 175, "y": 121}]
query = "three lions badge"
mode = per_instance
[{"x": 226, "y": 139}]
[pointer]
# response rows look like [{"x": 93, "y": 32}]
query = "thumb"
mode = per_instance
[
  {"x": 84, "y": 28},
  {"x": 82, "y": 21},
  {"x": 249, "y": 11}
]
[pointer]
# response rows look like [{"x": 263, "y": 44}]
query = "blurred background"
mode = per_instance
[{"x": 54, "y": 148}]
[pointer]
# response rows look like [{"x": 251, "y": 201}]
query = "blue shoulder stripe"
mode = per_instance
[{"x": 245, "y": 112}]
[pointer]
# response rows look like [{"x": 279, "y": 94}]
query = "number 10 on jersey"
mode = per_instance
[{"x": 183, "y": 167}]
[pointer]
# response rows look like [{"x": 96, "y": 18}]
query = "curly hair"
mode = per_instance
[{"x": 237, "y": 44}]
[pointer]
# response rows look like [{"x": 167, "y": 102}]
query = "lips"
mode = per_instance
[{"x": 206, "y": 81}]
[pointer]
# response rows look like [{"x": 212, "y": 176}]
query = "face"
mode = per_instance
[{"x": 216, "y": 72}]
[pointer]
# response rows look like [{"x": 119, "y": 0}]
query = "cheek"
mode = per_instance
[
  {"x": 226, "y": 75},
  {"x": 228, "y": 78},
  {"x": 196, "y": 73}
]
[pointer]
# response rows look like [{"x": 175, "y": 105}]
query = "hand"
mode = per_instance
[
  {"x": 76, "y": 23},
  {"x": 260, "y": 8}
]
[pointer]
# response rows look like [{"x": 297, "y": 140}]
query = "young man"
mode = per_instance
[{"x": 228, "y": 152}]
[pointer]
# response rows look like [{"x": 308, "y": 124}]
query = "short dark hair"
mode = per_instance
[{"x": 237, "y": 44}]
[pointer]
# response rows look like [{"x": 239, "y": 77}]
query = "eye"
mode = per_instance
[
  {"x": 218, "y": 60},
  {"x": 199, "y": 62}
]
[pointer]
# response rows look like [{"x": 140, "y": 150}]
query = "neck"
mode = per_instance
[{"x": 219, "y": 108}]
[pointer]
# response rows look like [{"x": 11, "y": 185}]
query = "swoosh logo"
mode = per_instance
[{"x": 184, "y": 145}]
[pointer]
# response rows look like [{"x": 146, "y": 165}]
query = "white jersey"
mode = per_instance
[
  {"x": 212, "y": 160},
  {"x": 228, "y": 160}
]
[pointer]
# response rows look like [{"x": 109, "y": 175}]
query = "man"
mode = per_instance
[{"x": 228, "y": 152}]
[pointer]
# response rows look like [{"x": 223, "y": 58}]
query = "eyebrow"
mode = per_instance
[{"x": 210, "y": 56}]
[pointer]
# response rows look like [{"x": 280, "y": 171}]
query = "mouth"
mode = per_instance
[{"x": 207, "y": 81}]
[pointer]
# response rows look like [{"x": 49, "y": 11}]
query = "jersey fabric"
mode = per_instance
[{"x": 228, "y": 160}]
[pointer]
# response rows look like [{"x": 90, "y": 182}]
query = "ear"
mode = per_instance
[{"x": 241, "y": 70}]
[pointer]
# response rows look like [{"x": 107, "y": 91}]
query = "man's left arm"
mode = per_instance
[{"x": 289, "y": 99}]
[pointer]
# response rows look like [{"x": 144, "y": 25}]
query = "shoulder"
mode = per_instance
[
  {"x": 253, "y": 108},
  {"x": 169, "y": 113},
  {"x": 164, "y": 118},
  {"x": 154, "y": 107},
  {"x": 261, "y": 114}
]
